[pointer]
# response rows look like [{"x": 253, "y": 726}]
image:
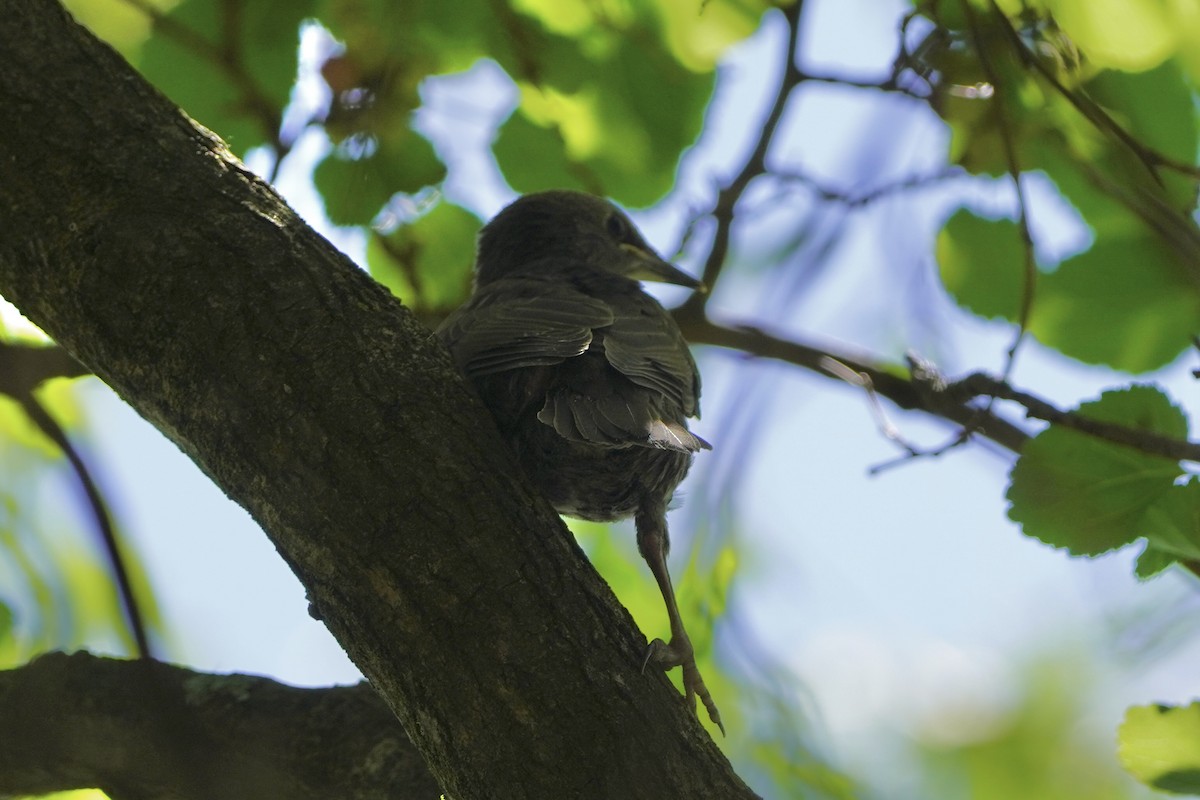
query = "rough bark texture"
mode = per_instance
[
  {"x": 144, "y": 729},
  {"x": 313, "y": 399}
]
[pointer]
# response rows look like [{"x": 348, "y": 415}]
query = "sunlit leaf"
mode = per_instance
[
  {"x": 1119, "y": 33},
  {"x": 1160, "y": 745}
]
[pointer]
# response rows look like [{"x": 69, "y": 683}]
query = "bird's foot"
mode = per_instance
[{"x": 678, "y": 653}]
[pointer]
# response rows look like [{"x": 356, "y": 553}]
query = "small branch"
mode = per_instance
[
  {"x": 887, "y": 85},
  {"x": 143, "y": 729},
  {"x": 22, "y": 369},
  {"x": 928, "y": 391},
  {"x": 1014, "y": 172},
  {"x": 855, "y": 201},
  {"x": 727, "y": 198},
  {"x": 102, "y": 519},
  {"x": 981, "y": 385},
  {"x": 905, "y": 393}
]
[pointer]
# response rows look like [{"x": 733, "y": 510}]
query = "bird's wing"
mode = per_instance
[
  {"x": 635, "y": 386},
  {"x": 645, "y": 345},
  {"x": 519, "y": 323}
]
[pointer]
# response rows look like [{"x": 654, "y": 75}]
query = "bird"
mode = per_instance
[{"x": 587, "y": 376}]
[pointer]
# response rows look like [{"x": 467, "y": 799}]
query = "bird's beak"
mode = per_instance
[{"x": 645, "y": 265}]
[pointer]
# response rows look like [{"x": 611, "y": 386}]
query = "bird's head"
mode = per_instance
[{"x": 563, "y": 231}]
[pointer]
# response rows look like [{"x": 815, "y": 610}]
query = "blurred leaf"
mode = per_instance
[
  {"x": 533, "y": 157},
  {"x": 427, "y": 263},
  {"x": 982, "y": 264},
  {"x": 699, "y": 34},
  {"x": 605, "y": 109},
  {"x": 1160, "y": 745},
  {"x": 232, "y": 86},
  {"x": 1040, "y": 750},
  {"x": 1089, "y": 496},
  {"x": 1124, "y": 303},
  {"x": 355, "y": 190},
  {"x": 1124, "y": 34},
  {"x": 6, "y": 621},
  {"x": 1155, "y": 108},
  {"x": 118, "y": 22},
  {"x": 1141, "y": 273}
]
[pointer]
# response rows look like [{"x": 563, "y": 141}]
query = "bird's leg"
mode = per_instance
[{"x": 653, "y": 544}]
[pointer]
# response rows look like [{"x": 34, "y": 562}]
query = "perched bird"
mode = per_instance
[{"x": 589, "y": 379}]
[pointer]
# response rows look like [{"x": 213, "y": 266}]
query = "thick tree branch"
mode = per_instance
[
  {"x": 313, "y": 399},
  {"x": 141, "y": 729}
]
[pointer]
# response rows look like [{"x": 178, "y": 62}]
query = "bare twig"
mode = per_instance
[
  {"x": 866, "y": 198},
  {"x": 905, "y": 393},
  {"x": 102, "y": 519},
  {"x": 727, "y": 197},
  {"x": 1013, "y": 164},
  {"x": 22, "y": 369}
]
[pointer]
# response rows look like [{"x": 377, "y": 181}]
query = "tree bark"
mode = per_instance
[
  {"x": 134, "y": 239},
  {"x": 141, "y": 729}
]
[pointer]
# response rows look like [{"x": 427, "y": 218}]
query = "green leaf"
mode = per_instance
[
  {"x": 1172, "y": 530},
  {"x": 355, "y": 190},
  {"x": 427, "y": 263},
  {"x": 1120, "y": 33},
  {"x": 981, "y": 262},
  {"x": 1160, "y": 746},
  {"x": 242, "y": 103},
  {"x": 6, "y": 621},
  {"x": 1081, "y": 493},
  {"x": 610, "y": 111},
  {"x": 1155, "y": 108},
  {"x": 532, "y": 157},
  {"x": 1125, "y": 303}
]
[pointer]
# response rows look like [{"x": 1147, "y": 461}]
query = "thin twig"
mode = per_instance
[
  {"x": 1149, "y": 442},
  {"x": 100, "y": 515},
  {"x": 1014, "y": 171},
  {"x": 755, "y": 165},
  {"x": 1093, "y": 112}
]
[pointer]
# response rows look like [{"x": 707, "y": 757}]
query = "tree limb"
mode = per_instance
[{"x": 143, "y": 729}]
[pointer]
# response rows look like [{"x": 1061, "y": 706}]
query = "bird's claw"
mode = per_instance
[{"x": 679, "y": 654}]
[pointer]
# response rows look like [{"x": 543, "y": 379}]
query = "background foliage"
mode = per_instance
[{"x": 1064, "y": 187}]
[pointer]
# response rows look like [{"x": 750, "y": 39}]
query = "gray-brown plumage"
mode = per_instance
[{"x": 589, "y": 379}]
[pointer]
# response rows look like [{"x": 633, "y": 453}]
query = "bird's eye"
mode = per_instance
[{"x": 617, "y": 227}]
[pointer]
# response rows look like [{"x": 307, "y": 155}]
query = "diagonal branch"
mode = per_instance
[{"x": 926, "y": 390}]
